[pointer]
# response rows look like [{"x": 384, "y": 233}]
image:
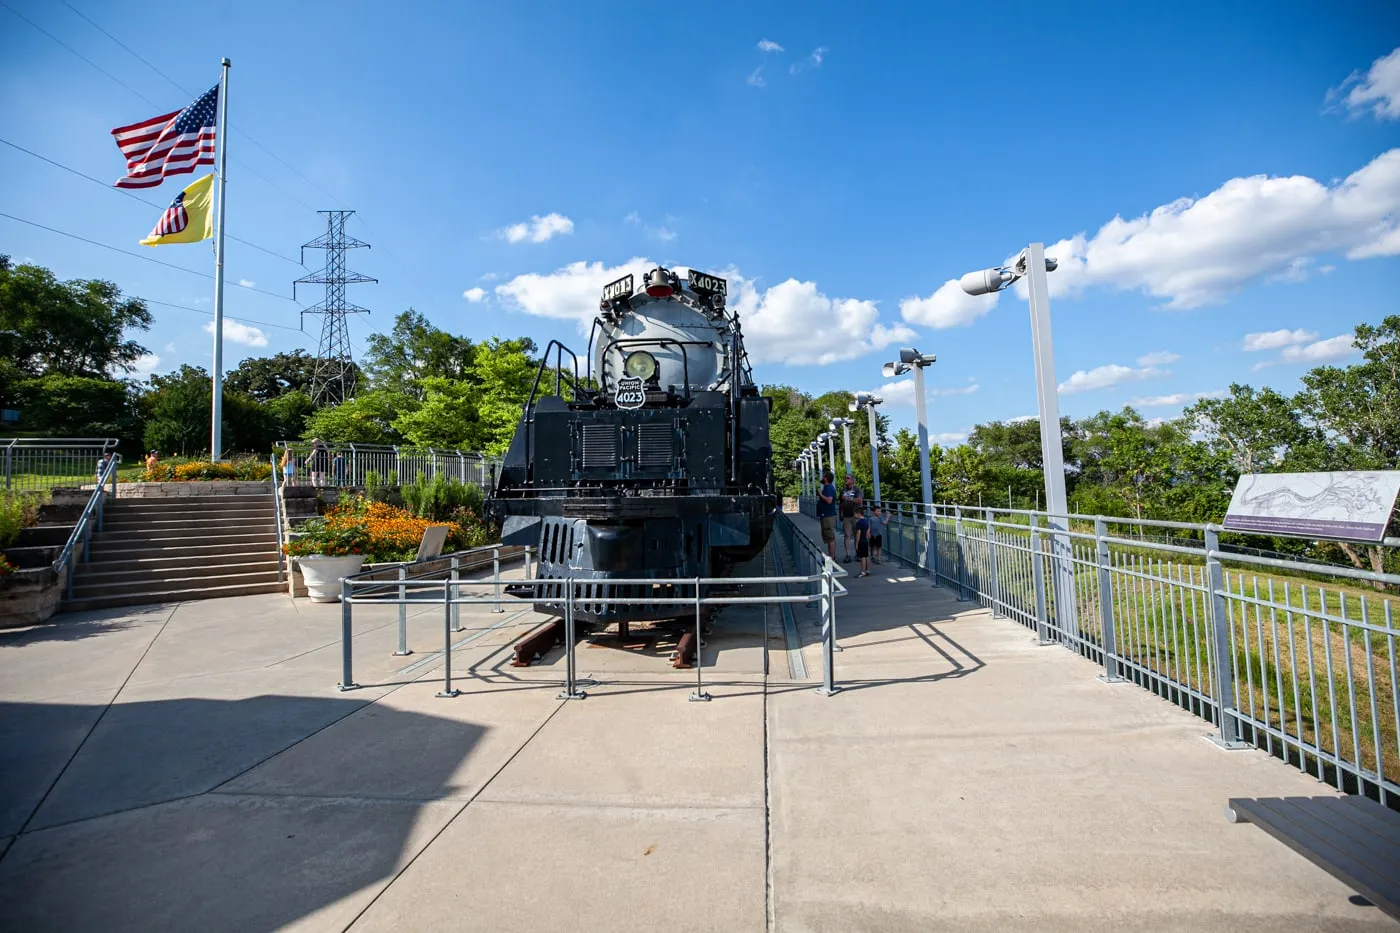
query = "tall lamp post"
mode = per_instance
[
  {"x": 1033, "y": 266},
  {"x": 910, "y": 359},
  {"x": 868, "y": 401},
  {"x": 829, "y": 439},
  {"x": 845, "y": 425},
  {"x": 816, "y": 450}
]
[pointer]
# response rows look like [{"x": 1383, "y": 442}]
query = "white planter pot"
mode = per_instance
[{"x": 323, "y": 574}]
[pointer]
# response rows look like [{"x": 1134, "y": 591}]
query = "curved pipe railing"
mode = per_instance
[{"x": 92, "y": 514}]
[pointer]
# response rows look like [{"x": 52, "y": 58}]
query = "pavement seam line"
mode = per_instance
[
  {"x": 91, "y": 729},
  {"x": 453, "y": 818}
]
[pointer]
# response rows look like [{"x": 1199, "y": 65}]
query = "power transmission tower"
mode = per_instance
[{"x": 333, "y": 380}]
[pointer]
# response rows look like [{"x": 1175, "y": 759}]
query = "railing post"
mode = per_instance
[
  {"x": 1224, "y": 656},
  {"x": 699, "y": 696},
  {"x": 496, "y": 577},
  {"x": 347, "y": 634},
  {"x": 1106, "y": 620},
  {"x": 932, "y": 534},
  {"x": 571, "y": 690},
  {"x": 828, "y": 610},
  {"x": 9, "y": 464},
  {"x": 961, "y": 553},
  {"x": 403, "y": 615},
  {"x": 988, "y": 517},
  {"x": 1042, "y": 615},
  {"x": 456, "y": 608},
  {"x": 447, "y": 688}
]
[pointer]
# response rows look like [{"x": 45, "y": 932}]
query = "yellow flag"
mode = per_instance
[{"x": 189, "y": 218}]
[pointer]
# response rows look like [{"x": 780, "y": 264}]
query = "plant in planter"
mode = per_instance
[{"x": 327, "y": 552}]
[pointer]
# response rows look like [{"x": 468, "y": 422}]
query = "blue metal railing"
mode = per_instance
[{"x": 92, "y": 514}]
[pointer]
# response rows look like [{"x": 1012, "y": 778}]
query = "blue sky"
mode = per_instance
[{"x": 1203, "y": 171}]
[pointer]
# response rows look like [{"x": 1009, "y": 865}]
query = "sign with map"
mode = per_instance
[{"x": 1344, "y": 506}]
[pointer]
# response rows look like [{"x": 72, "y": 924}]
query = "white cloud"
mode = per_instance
[
  {"x": 247, "y": 283},
  {"x": 1196, "y": 251},
  {"x": 145, "y": 364},
  {"x": 792, "y": 322},
  {"x": 1275, "y": 339},
  {"x": 811, "y": 61},
  {"x": 170, "y": 347},
  {"x": 474, "y": 295},
  {"x": 1104, "y": 377},
  {"x": 1159, "y": 358},
  {"x": 768, "y": 45},
  {"x": 949, "y": 306},
  {"x": 489, "y": 277},
  {"x": 664, "y": 234},
  {"x": 1178, "y": 398},
  {"x": 949, "y": 437},
  {"x": 632, "y": 218},
  {"x": 755, "y": 78},
  {"x": 1378, "y": 91},
  {"x": 538, "y": 229},
  {"x": 1019, "y": 418},
  {"x": 238, "y": 332},
  {"x": 1321, "y": 351}
]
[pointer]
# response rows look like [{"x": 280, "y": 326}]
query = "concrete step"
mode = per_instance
[
  {"x": 190, "y": 502},
  {"x": 181, "y": 545},
  {"x": 101, "y": 575},
  {"x": 261, "y": 508},
  {"x": 84, "y": 590},
  {"x": 171, "y": 595},
  {"x": 156, "y": 527},
  {"x": 175, "y": 559}
]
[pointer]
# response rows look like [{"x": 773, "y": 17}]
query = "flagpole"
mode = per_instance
[{"x": 216, "y": 435}]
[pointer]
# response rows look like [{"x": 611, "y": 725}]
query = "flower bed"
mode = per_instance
[
  {"x": 189, "y": 471},
  {"x": 382, "y": 533}
]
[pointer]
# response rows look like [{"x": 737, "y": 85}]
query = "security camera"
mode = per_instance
[{"x": 985, "y": 282}]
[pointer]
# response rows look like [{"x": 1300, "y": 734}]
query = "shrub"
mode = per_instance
[
  {"x": 334, "y": 539},
  {"x": 18, "y": 511},
  {"x": 5, "y": 566},
  {"x": 441, "y": 498}
]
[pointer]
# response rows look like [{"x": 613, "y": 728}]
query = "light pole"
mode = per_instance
[
  {"x": 868, "y": 401},
  {"x": 829, "y": 439},
  {"x": 1033, "y": 266},
  {"x": 845, "y": 425},
  {"x": 913, "y": 359},
  {"x": 816, "y": 449}
]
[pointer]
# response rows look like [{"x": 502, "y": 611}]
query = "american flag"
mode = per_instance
[
  {"x": 171, "y": 144},
  {"x": 173, "y": 220}
]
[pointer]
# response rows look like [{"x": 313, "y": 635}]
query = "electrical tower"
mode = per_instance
[{"x": 333, "y": 380}]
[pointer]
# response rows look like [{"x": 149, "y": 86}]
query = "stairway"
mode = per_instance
[{"x": 168, "y": 550}]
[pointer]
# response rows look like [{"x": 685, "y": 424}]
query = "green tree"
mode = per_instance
[
  {"x": 1256, "y": 428},
  {"x": 269, "y": 377},
  {"x": 77, "y": 406},
  {"x": 368, "y": 418},
  {"x": 288, "y": 413},
  {"x": 962, "y": 475},
  {"x": 1359, "y": 406},
  {"x": 413, "y": 351},
  {"x": 177, "y": 412}
]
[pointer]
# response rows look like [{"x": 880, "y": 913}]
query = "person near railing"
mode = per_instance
[
  {"x": 102, "y": 466},
  {"x": 289, "y": 467},
  {"x": 152, "y": 460},
  {"x": 318, "y": 462},
  {"x": 877, "y": 534},
  {"x": 826, "y": 512},
  {"x": 862, "y": 531},
  {"x": 338, "y": 469},
  {"x": 852, "y": 507}
]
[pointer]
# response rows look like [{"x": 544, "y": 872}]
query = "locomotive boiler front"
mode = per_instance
[{"x": 657, "y": 468}]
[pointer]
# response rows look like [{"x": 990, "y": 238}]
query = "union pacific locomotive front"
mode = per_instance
[{"x": 656, "y": 466}]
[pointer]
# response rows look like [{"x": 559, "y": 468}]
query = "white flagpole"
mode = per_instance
[{"x": 216, "y": 436}]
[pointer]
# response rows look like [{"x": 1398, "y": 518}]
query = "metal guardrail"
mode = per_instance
[
  {"x": 388, "y": 461},
  {"x": 1289, "y": 656},
  {"x": 92, "y": 515},
  {"x": 281, "y": 521},
  {"x": 38, "y": 463},
  {"x": 392, "y": 584}
]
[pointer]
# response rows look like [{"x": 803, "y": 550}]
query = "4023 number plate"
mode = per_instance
[
  {"x": 630, "y": 393},
  {"x": 704, "y": 282}
]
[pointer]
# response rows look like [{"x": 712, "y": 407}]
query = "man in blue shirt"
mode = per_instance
[{"x": 826, "y": 512}]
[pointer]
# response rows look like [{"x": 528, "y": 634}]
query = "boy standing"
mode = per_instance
[
  {"x": 862, "y": 530},
  {"x": 826, "y": 513},
  {"x": 877, "y": 535}
]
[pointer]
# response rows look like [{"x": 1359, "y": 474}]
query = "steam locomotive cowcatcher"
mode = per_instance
[{"x": 662, "y": 470}]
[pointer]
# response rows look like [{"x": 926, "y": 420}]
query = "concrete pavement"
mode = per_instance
[{"x": 191, "y": 767}]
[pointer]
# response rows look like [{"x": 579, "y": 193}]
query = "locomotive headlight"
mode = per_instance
[{"x": 640, "y": 365}]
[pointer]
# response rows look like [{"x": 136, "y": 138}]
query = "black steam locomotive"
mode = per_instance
[{"x": 656, "y": 466}]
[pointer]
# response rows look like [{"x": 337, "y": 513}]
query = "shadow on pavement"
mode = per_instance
[{"x": 132, "y": 833}]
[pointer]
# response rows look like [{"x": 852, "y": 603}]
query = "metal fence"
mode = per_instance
[
  {"x": 439, "y": 582},
  {"x": 80, "y": 539},
  {"x": 38, "y": 463},
  {"x": 1309, "y": 671},
  {"x": 393, "y": 465}
]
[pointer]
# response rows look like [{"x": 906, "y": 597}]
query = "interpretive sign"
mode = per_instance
[
  {"x": 434, "y": 537},
  {"x": 1347, "y": 506}
]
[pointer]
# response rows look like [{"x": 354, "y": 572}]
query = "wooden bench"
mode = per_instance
[{"x": 1355, "y": 839}]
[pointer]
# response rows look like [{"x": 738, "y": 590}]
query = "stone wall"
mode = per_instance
[
  {"x": 28, "y": 597},
  {"x": 212, "y": 487}
]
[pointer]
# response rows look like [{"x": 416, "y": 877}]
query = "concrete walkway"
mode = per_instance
[{"x": 190, "y": 766}]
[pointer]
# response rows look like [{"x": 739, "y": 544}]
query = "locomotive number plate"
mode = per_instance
[
  {"x": 630, "y": 392},
  {"x": 622, "y": 288},
  {"x": 704, "y": 282}
]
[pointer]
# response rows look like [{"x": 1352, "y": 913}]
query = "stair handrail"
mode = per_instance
[
  {"x": 82, "y": 531},
  {"x": 277, "y": 510}
]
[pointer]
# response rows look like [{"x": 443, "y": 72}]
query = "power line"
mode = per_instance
[
  {"x": 136, "y": 197},
  {"x": 127, "y": 252},
  {"x": 79, "y": 54},
  {"x": 227, "y": 317},
  {"x": 128, "y": 48}
]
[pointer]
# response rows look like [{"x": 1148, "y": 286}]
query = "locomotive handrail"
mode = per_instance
[{"x": 558, "y": 370}]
